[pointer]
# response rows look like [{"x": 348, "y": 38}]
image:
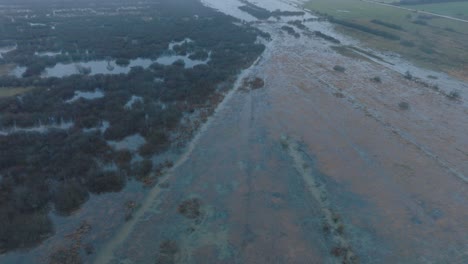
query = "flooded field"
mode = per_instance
[
  {"x": 317, "y": 164},
  {"x": 313, "y": 157}
]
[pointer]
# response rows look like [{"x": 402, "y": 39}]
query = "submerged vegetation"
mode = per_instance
[{"x": 45, "y": 165}]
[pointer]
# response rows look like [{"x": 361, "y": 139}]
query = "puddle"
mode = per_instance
[
  {"x": 4, "y": 50},
  {"x": 132, "y": 101},
  {"x": 41, "y": 128},
  {"x": 47, "y": 53},
  {"x": 102, "y": 128},
  {"x": 96, "y": 94},
  {"x": 110, "y": 67},
  {"x": 131, "y": 143}
]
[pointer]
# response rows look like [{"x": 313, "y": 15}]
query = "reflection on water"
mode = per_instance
[
  {"x": 18, "y": 71},
  {"x": 110, "y": 67},
  {"x": 47, "y": 53},
  {"x": 131, "y": 143},
  {"x": 101, "y": 128},
  {"x": 135, "y": 99},
  {"x": 96, "y": 94},
  {"x": 41, "y": 128},
  {"x": 7, "y": 49}
]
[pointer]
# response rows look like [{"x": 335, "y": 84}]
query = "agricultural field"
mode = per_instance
[
  {"x": 433, "y": 42},
  {"x": 454, "y": 9}
]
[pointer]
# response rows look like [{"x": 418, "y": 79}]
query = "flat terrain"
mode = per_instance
[
  {"x": 429, "y": 41},
  {"x": 324, "y": 151},
  {"x": 455, "y": 9},
  {"x": 316, "y": 165}
]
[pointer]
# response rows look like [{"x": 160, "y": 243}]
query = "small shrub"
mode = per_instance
[
  {"x": 420, "y": 22},
  {"x": 122, "y": 62},
  {"x": 454, "y": 95},
  {"x": 65, "y": 255},
  {"x": 338, "y": 251},
  {"x": 339, "y": 68},
  {"x": 407, "y": 43},
  {"x": 339, "y": 95},
  {"x": 168, "y": 250},
  {"x": 403, "y": 105},
  {"x": 408, "y": 75},
  {"x": 376, "y": 79},
  {"x": 190, "y": 208}
]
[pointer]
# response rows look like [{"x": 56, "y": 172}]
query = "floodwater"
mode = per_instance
[
  {"x": 317, "y": 166},
  {"x": 96, "y": 94},
  {"x": 133, "y": 100},
  {"x": 40, "y": 128},
  {"x": 48, "y": 53},
  {"x": 4, "y": 50},
  {"x": 110, "y": 67},
  {"x": 61, "y": 70},
  {"x": 132, "y": 143}
]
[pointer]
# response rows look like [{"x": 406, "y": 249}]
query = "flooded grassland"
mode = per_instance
[{"x": 315, "y": 155}]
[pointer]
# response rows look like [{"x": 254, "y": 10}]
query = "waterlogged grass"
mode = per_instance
[{"x": 439, "y": 44}]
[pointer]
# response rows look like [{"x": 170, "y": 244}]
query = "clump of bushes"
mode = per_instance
[
  {"x": 298, "y": 24},
  {"x": 326, "y": 37},
  {"x": 190, "y": 208},
  {"x": 386, "y": 24},
  {"x": 339, "y": 68},
  {"x": 168, "y": 250},
  {"x": 291, "y": 31}
]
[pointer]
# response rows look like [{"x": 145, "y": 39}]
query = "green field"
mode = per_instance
[
  {"x": 454, "y": 9},
  {"x": 433, "y": 42}
]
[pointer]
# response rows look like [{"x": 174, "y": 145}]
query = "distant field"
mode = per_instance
[
  {"x": 7, "y": 92},
  {"x": 433, "y": 42},
  {"x": 454, "y": 9}
]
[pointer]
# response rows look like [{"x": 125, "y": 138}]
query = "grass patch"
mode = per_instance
[
  {"x": 453, "y": 9},
  {"x": 12, "y": 91},
  {"x": 440, "y": 42}
]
